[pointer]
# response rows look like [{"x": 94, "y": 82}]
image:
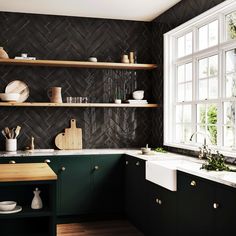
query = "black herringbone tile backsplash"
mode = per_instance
[{"x": 74, "y": 38}]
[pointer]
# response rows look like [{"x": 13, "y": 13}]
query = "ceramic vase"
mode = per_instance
[
  {"x": 54, "y": 94},
  {"x": 37, "y": 201},
  {"x": 3, "y": 54}
]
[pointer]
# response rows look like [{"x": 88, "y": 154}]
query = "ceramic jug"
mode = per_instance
[
  {"x": 3, "y": 54},
  {"x": 54, "y": 94},
  {"x": 37, "y": 201}
]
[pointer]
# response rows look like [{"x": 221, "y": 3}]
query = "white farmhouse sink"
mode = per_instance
[{"x": 164, "y": 172}]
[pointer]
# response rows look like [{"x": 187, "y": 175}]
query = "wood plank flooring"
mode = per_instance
[{"x": 99, "y": 228}]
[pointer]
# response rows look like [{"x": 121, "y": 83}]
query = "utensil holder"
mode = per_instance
[{"x": 11, "y": 145}]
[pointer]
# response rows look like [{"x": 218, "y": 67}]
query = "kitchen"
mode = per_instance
[{"x": 76, "y": 71}]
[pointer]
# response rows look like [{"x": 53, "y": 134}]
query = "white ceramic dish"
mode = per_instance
[
  {"x": 7, "y": 205},
  {"x": 9, "y": 97},
  {"x": 17, "y": 209},
  {"x": 93, "y": 59},
  {"x": 138, "y": 95}
]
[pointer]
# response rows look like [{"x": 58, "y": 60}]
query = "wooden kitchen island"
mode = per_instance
[{"x": 17, "y": 183}]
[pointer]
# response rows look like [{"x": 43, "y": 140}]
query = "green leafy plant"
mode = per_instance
[
  {"x": 160, "y": 149},
  {"x": 232, "y": 27},
  {"x": 216, "y": 162}
]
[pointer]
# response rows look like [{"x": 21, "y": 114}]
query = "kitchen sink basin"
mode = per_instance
[{"x": 164, "y": 172}]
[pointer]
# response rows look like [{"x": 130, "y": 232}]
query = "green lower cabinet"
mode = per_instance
[
  {"x": 195, "y": 212},
  {"x": 136, "y": 192},
  {"x": 224, "y": 207},
  {"x": 162, "y": 211},
  {"x": 87, "y": 184},
  {"x": 107, "y": 184},
  {"x": 205, "y": 207},
  {"x": 74, "y": 185}
]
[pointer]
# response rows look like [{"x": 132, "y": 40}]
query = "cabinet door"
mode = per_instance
[
  {"x": 162, "y": 211},
  {"x": 74, "y": 185},
  {"x": 107, "y": 183},
  {"x": 224, "y": 206},
  {"x": 195, "y": 214},
  {"x": 136, "y": 192}
]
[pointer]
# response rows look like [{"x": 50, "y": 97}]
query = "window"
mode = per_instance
[{"x": 200, "y": 80}]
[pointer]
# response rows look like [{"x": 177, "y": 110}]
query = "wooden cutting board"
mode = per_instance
[{"x": 71, "y": 139}]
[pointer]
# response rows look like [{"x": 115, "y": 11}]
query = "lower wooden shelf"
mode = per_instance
[{"x": 48, "y": 104}]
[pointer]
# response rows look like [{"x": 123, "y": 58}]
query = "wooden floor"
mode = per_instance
[{"x": 99, "y": 228}]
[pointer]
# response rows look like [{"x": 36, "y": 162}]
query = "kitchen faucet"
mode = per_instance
[{"x": 204, "y": 151}]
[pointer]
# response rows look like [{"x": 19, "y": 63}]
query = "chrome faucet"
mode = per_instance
[{"x": 204, "y": 151}]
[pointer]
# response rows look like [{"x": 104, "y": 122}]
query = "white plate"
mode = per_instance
[
  {"x": 17, "y": 209},
  {"x": 20, "y": 87}
]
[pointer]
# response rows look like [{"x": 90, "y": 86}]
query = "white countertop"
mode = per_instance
[{"x": 191, "y": 166}]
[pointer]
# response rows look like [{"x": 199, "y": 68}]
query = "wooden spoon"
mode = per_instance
[{"x": 17, "y": 131}]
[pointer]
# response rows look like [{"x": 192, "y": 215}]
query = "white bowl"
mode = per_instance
[
  {"x": 138, "y": 95},
  {"x": 9, "y": 97},
  {"x": 93, "y": 59},
  {"x": 7, "y": 205}
]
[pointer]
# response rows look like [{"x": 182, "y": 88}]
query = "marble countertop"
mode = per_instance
[{"x": 191, "y": 165}]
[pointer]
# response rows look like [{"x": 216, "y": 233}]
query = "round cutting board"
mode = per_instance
[{"x": 20, "y": 87}]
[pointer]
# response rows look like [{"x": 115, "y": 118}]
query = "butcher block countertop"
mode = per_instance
[{"x": 26, "y": 172}]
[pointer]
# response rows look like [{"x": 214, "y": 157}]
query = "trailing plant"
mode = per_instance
[{"x": 216, "y": 162}]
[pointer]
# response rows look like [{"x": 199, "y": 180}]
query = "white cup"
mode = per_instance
[
  {"x": 11, "y": 145},
  {"x": 118, "y": 101}
]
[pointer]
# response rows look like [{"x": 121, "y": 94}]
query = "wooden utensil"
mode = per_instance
[
  {"x": 3, "y": 133},
  {"x": 17, "y": 131},
  {"x": 71, "y": 139}
]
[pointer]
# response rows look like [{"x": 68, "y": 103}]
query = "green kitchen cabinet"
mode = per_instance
[
  {"x": 136, "y": 192},
  {"x": 224, "y": 207},
  {"x": 205, "y": 207},
  {"x": 74, "y": 190},
  {"x": 87, "y": 184},
  {"x": 107, "y": 184},
  {"x": 162, "y": 211},
  {"x": 195, "y": 212}
]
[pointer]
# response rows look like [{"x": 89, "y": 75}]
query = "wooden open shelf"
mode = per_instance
[
  {"x": 45, "y": 104},
  {"x": 78, "y": 64}
]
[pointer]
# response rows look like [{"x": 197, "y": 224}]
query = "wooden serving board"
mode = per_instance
[{"x": 71, "y": 139}]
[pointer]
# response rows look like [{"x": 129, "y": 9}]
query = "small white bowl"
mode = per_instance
[
  {"x": 145, "y": 150},
  {"x": 118, "y": 101},
  {"x": 138, "y": 95},
  {"x": 93, "y": 59},
  {"x": 9, "y": 97},
  {"x": 7, "y": 205}
]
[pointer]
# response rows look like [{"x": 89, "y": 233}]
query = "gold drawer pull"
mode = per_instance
[{"x": 193, "y": 183}]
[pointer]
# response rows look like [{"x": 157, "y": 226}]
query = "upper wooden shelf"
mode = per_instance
[
  {"x": 78, "y": 64},
  {"x": 49, "y": 104}
]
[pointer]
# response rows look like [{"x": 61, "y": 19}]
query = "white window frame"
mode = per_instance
[{"x": 170, "y": 70}]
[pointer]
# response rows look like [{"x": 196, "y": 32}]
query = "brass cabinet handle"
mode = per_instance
[
  {"x": 96, "y": 167},
  {"x": 137, "y": 163},
  {"x": 126, "y": 162},
  {"x": 193, "y": 183},
  {"x": 158, "y": 201},
  {"x": 12, "y": 162},
  {"x": 216, "y": 205},
  {"x": 47, "y": 161},
  {"x": 63, "y": 168}
]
